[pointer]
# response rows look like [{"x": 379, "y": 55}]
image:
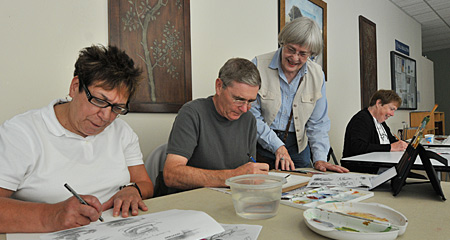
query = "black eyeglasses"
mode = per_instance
[{"x": 103, "y": 103}]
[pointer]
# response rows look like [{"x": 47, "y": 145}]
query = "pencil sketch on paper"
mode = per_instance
[
  {"x": 73, "y": 234},
  {"x": 230, "y": 233},
  {"x": 167, "y": 225},
  {"x": 347, "y": 180},
  {"x": 140, "y": 230},
  {"x": 237, "y": 232},
  {"x": 184, "y": 234},
  {"x": 122, "y": 222}
]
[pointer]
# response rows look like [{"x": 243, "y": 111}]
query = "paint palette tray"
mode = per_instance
[
  {"x": 352, "y": 220},
  {"x": 318, "y": 196},
  {"x": 336, "y": 226}
]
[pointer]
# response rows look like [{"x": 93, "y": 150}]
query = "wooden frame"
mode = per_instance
[
  {"x": 156, "y": 34},
  {"x": 314, "y": 9},
  {"x": 404, "y": 79},
  {"x": 367, "y": 59}
]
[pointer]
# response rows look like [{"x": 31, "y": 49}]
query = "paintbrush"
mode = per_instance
[{"x": 418, "y": 135}]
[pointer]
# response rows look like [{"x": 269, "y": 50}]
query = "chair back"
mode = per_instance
[
  {"x": 332, "y": 156},
  {"x": 155, "y": 162}
]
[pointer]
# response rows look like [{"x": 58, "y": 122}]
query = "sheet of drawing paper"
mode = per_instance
[
  {"x": 349, "y": 180},
  {"x": 166, "y": 225},
  {"x": 237, "y": 232},
  {"x": 107, "y": 216},
  {"x": 383, "y": 177},
  {"x": 292, "y": 179}
]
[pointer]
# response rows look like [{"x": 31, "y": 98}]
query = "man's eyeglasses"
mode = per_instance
[
  {"x": 103, "y": 103},
  {"x": 236, "y": 100},
  {"x": 292, "y": 51},
  {"x": 240, "y": 103}
]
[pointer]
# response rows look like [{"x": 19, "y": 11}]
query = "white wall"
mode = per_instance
[
  {"x": 343, "y": 86},
  {"x": 41, "y": 39}
]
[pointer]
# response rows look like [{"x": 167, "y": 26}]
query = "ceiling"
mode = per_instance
[{"x": 434, "y": 16}]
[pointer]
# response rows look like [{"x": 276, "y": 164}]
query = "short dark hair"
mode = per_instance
[
  {"x": 239, "y": 70},
  {"x": 110, "y": 67},
  {"x": 386, "y": 97}
]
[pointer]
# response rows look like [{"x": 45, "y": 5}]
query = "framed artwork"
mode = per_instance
[
  {"x": 156, "y": 34},
  {"x": 367, "y": 59},
  {"x": 404, "y": 79},
  {"x": 314, "y": 9}
]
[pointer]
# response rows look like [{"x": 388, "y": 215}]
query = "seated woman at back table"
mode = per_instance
[{"x": 368, "y": 132}]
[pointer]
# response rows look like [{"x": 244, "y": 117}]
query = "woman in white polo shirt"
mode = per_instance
[{"x": 78, "y": 141}]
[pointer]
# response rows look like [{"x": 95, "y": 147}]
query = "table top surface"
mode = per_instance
[
  {"x": 427, "y": 214},
  {"x": 389, "y": 157},
  {"x": 439, "y": 141}
]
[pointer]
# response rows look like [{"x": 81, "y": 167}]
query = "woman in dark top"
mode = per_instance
[{"x": 368, "y": 132}]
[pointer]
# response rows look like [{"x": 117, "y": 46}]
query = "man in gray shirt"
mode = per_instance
[{"x": 212, "y": 137}]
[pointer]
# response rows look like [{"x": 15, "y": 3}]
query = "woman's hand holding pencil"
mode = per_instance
[{"x": 398, "y": 146}]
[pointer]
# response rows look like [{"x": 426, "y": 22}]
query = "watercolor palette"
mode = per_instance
[
  {"x": 374, "y": 211},
  {"x": 318, "y": 196},
  {"x": 339, "y": 226}
]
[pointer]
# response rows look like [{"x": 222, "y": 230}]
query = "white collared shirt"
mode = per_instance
[
  {"x": 38, "y": 156},
  {"x": 384, "y": 139}
]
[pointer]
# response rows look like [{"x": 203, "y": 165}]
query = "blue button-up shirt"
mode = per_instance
[{"x": 317, "y": 126}]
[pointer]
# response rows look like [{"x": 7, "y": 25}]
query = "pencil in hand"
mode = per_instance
[
  {"x": 251, "y": 158},
  {"x": 79, "y": 198}
]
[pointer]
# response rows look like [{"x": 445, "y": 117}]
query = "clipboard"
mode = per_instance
[
  {"x": 404, "y": 167},
  {"x": 296, "y": 183}
]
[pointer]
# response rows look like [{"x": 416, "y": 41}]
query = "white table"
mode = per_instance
[
  {"x": 428, "y": 216},
  {"x": 389, "y": 159}
]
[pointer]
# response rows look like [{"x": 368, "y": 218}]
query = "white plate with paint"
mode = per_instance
[
  {"x": 373, "y": 211},
  {"x": 340, "y": 225}
]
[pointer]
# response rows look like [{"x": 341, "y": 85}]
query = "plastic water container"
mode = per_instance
[
  {"x": 429, "y": 138},
  {"x": 256, "y": 196}
]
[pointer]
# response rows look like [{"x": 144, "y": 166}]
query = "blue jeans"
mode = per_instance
[{"x": 301, "y": 160}]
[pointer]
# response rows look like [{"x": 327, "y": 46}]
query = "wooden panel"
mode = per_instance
[
  {"x": 367, "y": 59},
  {"x": 410, "y": 133},
  {"x": 435, "y": 126},
  {"x": 156, "y": 34}
]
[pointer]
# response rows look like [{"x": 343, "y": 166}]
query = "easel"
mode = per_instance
[
  {"x": 409, "y": 157},
  {"x": 404, "y": 167}
]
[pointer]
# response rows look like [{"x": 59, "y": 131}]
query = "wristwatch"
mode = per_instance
[{"x": 131, "y": 185}]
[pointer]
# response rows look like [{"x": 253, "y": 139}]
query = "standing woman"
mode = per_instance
[{"x": 291, "y": 108}]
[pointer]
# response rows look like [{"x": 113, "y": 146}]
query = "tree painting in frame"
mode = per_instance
[
  {"x": 156, "y": 34},
  {"x": 367, "y": 59},
  {"x": 314, "y": 9}
]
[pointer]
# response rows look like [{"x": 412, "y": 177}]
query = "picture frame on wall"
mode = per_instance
[
  {"x": 314, "y": 9},
  {"x": 156, "y": 35},
  {"x": 367, "y": 59},
  {"x": 404, "y": 79}
]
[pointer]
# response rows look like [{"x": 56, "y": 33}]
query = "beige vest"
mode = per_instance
[{"x": 305, "y": 99}]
